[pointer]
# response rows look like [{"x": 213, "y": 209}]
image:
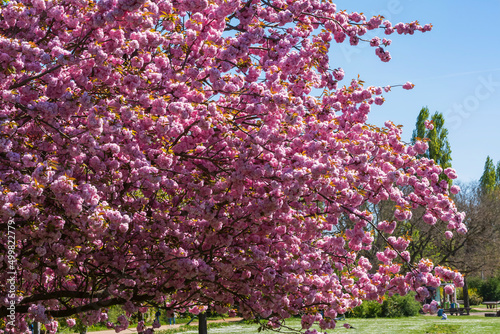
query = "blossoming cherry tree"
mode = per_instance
[{"x": 185, "y": 154}]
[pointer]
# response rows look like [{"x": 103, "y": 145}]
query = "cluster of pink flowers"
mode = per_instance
[
  {"x": 147, "y": 156},
  {"x": 431, "y": 308},
  {"x": 408, "y": 85},
  {"x": 71, "y": 322}
]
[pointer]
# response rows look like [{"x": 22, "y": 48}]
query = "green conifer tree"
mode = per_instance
[{"x": 488, "y": 180}]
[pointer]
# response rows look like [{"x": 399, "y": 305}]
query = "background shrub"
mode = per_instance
[
  {"x": 369, "y": 309},
  {"x": 474, "y": 282},
  {"x": 474, "y": 296},
  {"x": 392, "y": 307},
  {"x": 488, "y": 290}
]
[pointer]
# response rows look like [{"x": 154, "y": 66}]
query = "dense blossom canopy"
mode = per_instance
[{"x": 170, "y": 153}]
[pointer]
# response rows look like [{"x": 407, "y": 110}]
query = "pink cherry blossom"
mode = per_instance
[
  {"x": 449, "y": 289},
  {"x": 408, "y": 85}
]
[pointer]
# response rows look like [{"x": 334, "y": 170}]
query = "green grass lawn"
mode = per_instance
[
  {"x": 63, "y": 328},
  {"x": 410, "y": 325}
]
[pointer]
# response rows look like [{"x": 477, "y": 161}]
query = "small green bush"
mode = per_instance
[
  {"x": 401, "y": 306},
  {"x": 369, "y": 309},
  {"x": 392, "y": 307}
]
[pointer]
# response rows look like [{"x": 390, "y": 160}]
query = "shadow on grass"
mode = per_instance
[
  {"x": 187, "y": 328},
  {"x": 442, "y": 329}
]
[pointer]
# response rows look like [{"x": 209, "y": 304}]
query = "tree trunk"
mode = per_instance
[
  {"x": 141, "y": 318},
  {"x": 202, "y": 327},
  {"x": 466, "y": 294},
  {"x": 36, "y": 328}
]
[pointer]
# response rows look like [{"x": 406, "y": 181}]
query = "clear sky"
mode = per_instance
[{"x": 455, "y": 69}]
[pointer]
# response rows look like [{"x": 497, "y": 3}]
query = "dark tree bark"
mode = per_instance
[
  {"x": 141, "y": 318},
  {"x": 466, "y": 293},
  {"x": 202, "y": 327}
]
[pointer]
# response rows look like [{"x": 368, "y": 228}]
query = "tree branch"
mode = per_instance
[{"x": 27, "y": 80}]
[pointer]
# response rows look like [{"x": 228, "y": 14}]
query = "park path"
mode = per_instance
[{"x": 134, "y": 330}]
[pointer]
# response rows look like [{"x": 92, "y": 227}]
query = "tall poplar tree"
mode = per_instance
[
  {"x": 420, "y": 129},
  {"x": 437, "y": 138},
  {"x": 489, "y": 179},
  {"x": 497, "y": 176}
]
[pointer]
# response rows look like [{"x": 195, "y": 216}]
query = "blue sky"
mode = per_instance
[{"x": 455, "y": 69}]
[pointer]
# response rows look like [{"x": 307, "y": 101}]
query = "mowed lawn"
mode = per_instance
[{"x": 411, "y": 325}]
